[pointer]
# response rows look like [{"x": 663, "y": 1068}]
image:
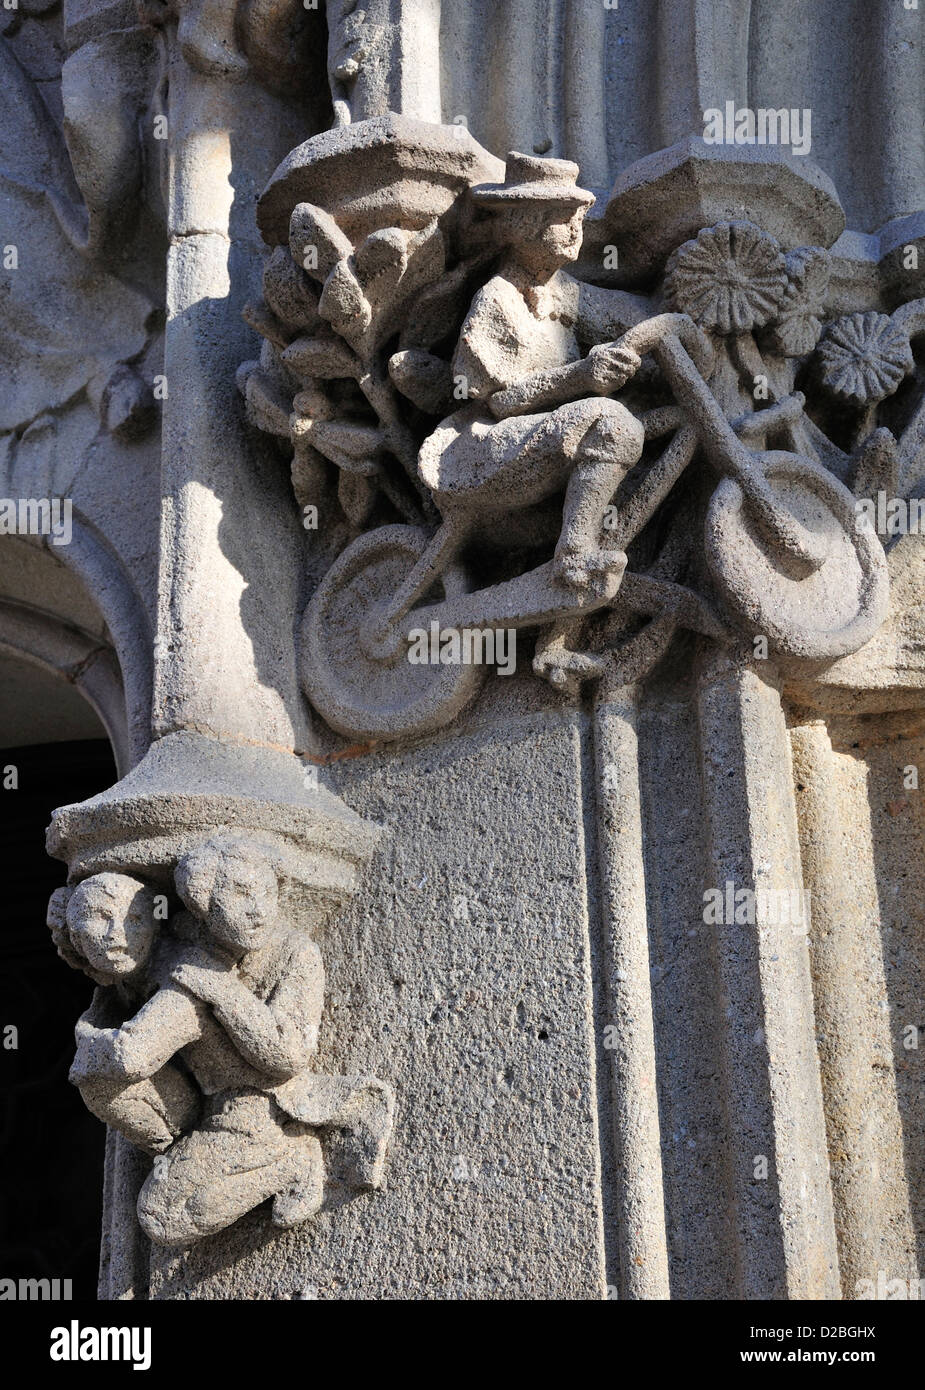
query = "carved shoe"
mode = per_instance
[{"x": 580, "y": 570}]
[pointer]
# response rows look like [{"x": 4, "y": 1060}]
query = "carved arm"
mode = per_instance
[
  {"x": 141, "y": 1046},
  {"x": 276, "y": 1037},
  {"x": 606, "y": 368}
]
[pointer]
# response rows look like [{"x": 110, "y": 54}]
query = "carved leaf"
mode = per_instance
[
  {"x": 325, "y": 358},
  {"x": 316, "y": 243},
  {"x": 800, "y": 316},
  {"x": 266, "y": 405},
  {"x": 289, "y": 293},
  {"x": 424, "y": 379},
  {"x": 344, "y": 304}
]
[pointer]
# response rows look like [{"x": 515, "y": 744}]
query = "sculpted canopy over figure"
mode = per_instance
[{"x": 198, "y": 1042}]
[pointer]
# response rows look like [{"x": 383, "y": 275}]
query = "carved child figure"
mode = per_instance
[
  {"x": 106, "y": 927},
  {"x": 230, "y": 1004}
]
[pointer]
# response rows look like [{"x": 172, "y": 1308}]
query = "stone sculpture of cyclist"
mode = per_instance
[{"x": 526, "y": 329}]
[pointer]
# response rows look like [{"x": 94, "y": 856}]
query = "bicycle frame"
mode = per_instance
[{"x": 685, "y": 356}]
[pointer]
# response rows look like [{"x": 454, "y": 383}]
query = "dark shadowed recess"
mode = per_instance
[{"x": 51, "y": 1148}]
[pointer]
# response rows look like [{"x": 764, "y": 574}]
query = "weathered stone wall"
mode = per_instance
[{"x": 247, "y": 244}]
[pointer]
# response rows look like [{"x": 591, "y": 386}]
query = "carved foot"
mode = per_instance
[
  {"x": 578, "y": 566},
  {"x": 566, "y": 671}
]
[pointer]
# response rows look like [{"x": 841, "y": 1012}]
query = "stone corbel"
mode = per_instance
[
  {"x": 403, "y": 312},
  {"x": 197, "y": 889}
]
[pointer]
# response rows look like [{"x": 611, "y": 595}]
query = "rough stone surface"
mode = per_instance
[
  {"x": 464, "y": 980},
  {"x": 492, "y": 549}
]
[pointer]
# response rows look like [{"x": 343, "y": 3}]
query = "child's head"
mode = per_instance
[
  {"x": 228, "y": 883},
  {"x": 110, "y": 925}
]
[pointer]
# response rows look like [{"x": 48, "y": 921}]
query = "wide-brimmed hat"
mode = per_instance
[{"x": 531, "y": 180}]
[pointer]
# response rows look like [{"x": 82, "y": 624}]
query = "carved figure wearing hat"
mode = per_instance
[{"x": 537, "y": 364}]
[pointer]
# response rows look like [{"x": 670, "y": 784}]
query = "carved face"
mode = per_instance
[
  {"x": 227, "y": 883},
  {"x": 110, "y": 922},
  {"x": 549, "y": 233},
  {"x": 243, "y": 903}
]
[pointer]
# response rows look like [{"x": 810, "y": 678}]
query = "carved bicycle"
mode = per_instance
[{"x": 785, "y": 557}]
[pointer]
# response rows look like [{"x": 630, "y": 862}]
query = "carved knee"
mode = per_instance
[{"x": 614, "y": 436}]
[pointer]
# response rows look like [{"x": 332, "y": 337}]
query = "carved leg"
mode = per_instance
[
  {"x": 357, "y": 1109},
  {"x": 239, "y": 1158},
  {"x": 150, "y": 1113},
  {"x": 606, "y": 453},
  {"x": 556, "y": 662},
  {"x": 303, "y": 1197}
]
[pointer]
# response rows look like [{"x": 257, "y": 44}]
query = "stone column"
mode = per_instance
[
  {"x": 777, "y": 1139},
  {"x": 229, "y": 731},
  {"x": 865, "y": 1136},
  {"x": 230, "y": 544},
  {"x": 628, "y": 1026}
]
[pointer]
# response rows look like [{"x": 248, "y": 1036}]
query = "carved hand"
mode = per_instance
[
  {"x": 209, "y": 979},
  {"x": 96, "y": 1053},
  {"x": 609, "y": 366}
]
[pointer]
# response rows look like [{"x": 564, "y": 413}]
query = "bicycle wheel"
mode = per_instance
[
  {"x": 356, "y": 693},
  {"x": 821, "y": 615}
]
